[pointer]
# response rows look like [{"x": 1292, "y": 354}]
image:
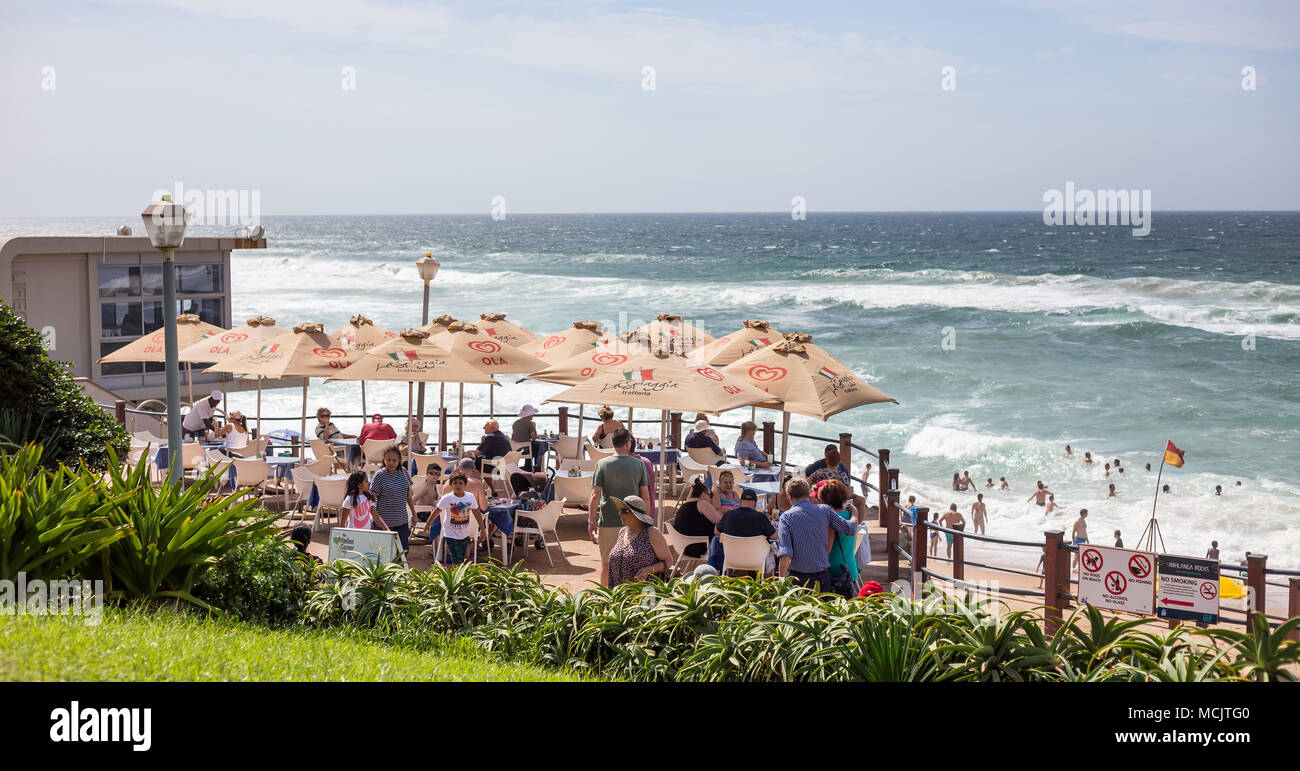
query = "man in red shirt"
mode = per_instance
[{"x": 376, "y": 429}]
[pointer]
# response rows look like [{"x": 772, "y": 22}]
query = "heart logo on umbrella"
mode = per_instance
[
  {"x": 553, "y": 341},
  {"x": 710, "y": 373},
  {"x": 330, "y": 353},
  {"x": 608, "y": 359},
  {"x": 762, "y": 373},
  {"x": 234, "y": 337},
  {"x": 485, "y": 346}
]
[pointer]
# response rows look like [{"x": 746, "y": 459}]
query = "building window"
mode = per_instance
[{"x": 135, "y": 310}]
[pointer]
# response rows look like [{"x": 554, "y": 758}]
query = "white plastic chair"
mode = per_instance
[
  {"x": 679, "y": 543},
  {"x": 597, "y": 453},
  {"x": 745, "y": 553},
  {"x": 738, "y": 475},
  {"x": 704, "y": 456},
  {"x": 572, "y": 463},
  {"x": 576, "y": 489},
  {"x": 525, "y": 448},
  {"x": 331, "y": 493},
  {"x": 545, "y": 519},
  {"x": 373, "y": 453},
  {"x": 251, "y": 473},
  {"x": 215, "y": 456},
  {"x": 192, "y": 457},
  {"x": 422, "y": 462},
  {"x": 303, "y": 479},
  {"x": 321, "y": 468},
  {"x": 567, "y": 448}
]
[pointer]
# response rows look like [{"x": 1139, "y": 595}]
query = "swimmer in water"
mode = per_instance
[
  {"x": 1087, "y": 457},
  {"x": 978, "y": 512},
  {"x": 1218, "y": 489},
  {"x": 1164, "y": 489},
  {"x": 1067, "y": 450},
  {"x": 1051, "y": 504},
  {"x": 1002, "y": 484},
  {"x": 989, "y": 483},
  {"x": 1107, "y": 472},
  {"x": 1039, "y": 496},
  {"x": 956, "y": 481},
  {"x": 966, "y": 482},
  {"x": 1148, "y": 467},
  {"x": 1110, "y": 492}
]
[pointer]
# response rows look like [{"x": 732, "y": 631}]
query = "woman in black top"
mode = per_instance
[{"x": 697, "y": 517}]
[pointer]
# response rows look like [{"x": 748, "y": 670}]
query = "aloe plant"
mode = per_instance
[
  {"x": 1263, "y": 653},
  {"x": 51, "y": 522}
]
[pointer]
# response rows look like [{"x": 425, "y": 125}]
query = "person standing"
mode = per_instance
[
  {"x": 617, "y": 476},
  {"x": 952, "y": 519},
  {"x": 1079, "y": 533},
  {"x": 1119, "y": 542},
  {"x": 1039, "y": 496},
  {"x": 1212, "y": 553},
  {"x": 199, "y": 420},
  {"x": 978, "y": 512},
  {"x": 803, "y": 533},
  {"x": 391, "y": 486},
  {"x": 458, "y": 506}
]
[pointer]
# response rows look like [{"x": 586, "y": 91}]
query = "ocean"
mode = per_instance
[{"x": 1002, "y": 338}]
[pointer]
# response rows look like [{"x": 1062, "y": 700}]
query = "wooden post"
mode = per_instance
[
  {"x": 891, "y": 485},
  {"x": 889, "y": 513},
  {"x": 442, "y": 429},
  {"x": 846, "y": 451},
  {"x": 769, "y": 437},
  {"x": 119, "y": 411},
  {"x": 959, "y": 557},
  {"x": 564, "y": 421},
  {"x": 1255, "y": 565},
  {"x": 1052, "y": 589},
  {"x": 919, "y": 550},
  {"x": 883, "y": 484},
  {"x": 1293, "y": 607},
  {"x": 675, "y": 429}
]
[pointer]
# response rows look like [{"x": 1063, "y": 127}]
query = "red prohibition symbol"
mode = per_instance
[
  {"x": 1139, "y": 566},
  {"x": 1092, "y": 560},
  {"x": 1116, "y": 583},
  {"x": 1209, "y": 591}
]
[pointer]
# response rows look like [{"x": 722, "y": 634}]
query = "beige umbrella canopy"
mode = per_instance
[
  {"x": 152, "y": 347},
  {"x": 582, "y": 337},
  {"x": 669, "y": 331},
  {"x": 361, "y": 334},
  {"x": 804, "y": 379},
  {"x": 232, "y": 342},
  {"x": 439, "y": 325},
  {"x": 664, "y": 382},
  {"x": 508, "y": 332},
  {"x": 305, "y": 352},
  {"x": 469, "y": 342},
  {"x": 726, "y": 350},
  {"x": 595, "y": 361}
]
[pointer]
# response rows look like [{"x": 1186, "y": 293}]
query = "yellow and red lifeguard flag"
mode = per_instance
[{"x": 1173, "y": 455}]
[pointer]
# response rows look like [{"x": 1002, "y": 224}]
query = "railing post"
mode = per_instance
[
  {"x": 959, "y": 557},
  {"x": 564, "y": 421},
  {"x": 675, "y": 429},
  {"x": 769, "y": 437},
  {"x": 919, "y": 550},
  {"x": 889, "y": 515},
  {"x": 119, "y": 411},
  {"x": 1255, "y": 579},
  {"x": 442, "y": 429},
  {"x": 1052, "y": 588},
  {"x": 846, "y": 451},
  {"x": 883, "y": 484},
  {"x": 1293, "y": 607}
]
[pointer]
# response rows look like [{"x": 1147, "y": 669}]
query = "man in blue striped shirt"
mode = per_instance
[{"x": 803, "y": 537}]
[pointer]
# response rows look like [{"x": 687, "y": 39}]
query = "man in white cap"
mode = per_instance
[
  {"x": 525, "y": 430},
  {"x": 699, "y": 438},
  {"x": 199, "y": 420}
]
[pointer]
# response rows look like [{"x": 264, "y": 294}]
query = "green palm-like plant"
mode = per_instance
[
  {"x": 1179, "y": 660},
  {"x": 51, "y": 522},
  {"x": 174, "y": 532},
  {"x": 978, "y": 647},
  {"x": 1263, "y": 653}
]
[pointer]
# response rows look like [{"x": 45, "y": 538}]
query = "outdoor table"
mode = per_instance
[
  {"x": 162, "y": 458},
  {"x": 352, "y": 452},
  {"x": 501, "y": 515},
  {"x": 754, "y": 476},
  {"x": 764, "y": 489}
]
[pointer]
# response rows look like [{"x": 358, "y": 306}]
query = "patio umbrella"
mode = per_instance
[
  {"x": 668, "y": 383},
  {"x": 304, "y": 352},
  {"x": 611, "y": 351},
  {"x": 582, "y": 337},
  {"x": 469, "y": 342},
  {"x": 726, "y": 350},
  {"x": 508, "y": 332},
  {"x": 669, "y": 331},
  {"x": 803, "y": 378},
  {"x": 411, "y": 357},
  {"x": 233, "y": 342},
  {"x": 153, "y": 346},
  {"x": 361, "y": 334}
]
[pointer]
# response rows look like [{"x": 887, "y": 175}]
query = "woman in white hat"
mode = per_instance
[
  {"x": 525, "y": 430},
  {"x": 641, "y": 550}
]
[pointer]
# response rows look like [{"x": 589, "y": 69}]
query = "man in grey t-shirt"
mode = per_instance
[{"x": 618, "y": 476}]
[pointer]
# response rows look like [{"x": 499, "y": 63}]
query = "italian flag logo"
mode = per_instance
[
  {"x": 404, "y": 356},
  {"x": 639, "y": 374},
  {"x": 759, "y": 342},
  {"x": 491, "y": 331},
  {"x": 827, "y": 373},
  {"x": 270, "y": 348}
]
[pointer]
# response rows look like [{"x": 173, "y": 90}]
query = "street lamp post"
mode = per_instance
[
  {"x": 165, "y": 223},
  {"x": 428, "y": 267}
]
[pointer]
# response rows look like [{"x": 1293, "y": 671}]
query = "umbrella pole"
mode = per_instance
[
  {"x": 785, "y": 441},
  {"x": 663, "y": 467},
  {"x": 410, "y": 410},
  {"x": 460, "y": 418},
  {"x": 580, "y": 452},
  {"x": 302, "y": 437},
  {"x": 259, "y": 406},
  {"x": 492, "y": 402},
  {"x": 363, "y": 401},
  {"x": 189, "y": 380}
]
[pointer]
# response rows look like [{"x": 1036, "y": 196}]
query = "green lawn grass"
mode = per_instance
[{"x": 160, "y": 645}]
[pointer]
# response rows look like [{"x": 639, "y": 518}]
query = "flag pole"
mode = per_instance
[{"x": 1151, "y": 524}]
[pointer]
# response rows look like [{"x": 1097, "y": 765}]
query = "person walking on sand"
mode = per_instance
[
  {"x": 934, "y": 535},
  {"x": 1039, "y": 496},
  {"x": 953, "y": 520},
  {"x": 1119, "y": 542},
  {"x": 1079, "y": 534},
  {"x": 977, "y": 513}
]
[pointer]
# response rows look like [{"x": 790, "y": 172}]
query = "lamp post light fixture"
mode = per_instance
[
  {"x": 165, "y": 223},
  {"x": 428, "y": 267}
]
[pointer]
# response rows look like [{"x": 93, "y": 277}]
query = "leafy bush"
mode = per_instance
[
  {"x": 50, "y": 521},
  {"x": 744, "y": 629},
  {"x": 45, "y": 405},
  {"x": 264, "y": 580},
  {"x": 174, "y": 532}
]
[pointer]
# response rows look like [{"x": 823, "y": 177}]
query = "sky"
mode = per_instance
[{"x": 849, "y": 105}]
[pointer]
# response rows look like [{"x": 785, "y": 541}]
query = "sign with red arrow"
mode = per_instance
[{"x": 1187, "y": 589}]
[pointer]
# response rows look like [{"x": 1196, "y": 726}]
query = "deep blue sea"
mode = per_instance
[{"x": 1083, "y": 335}]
